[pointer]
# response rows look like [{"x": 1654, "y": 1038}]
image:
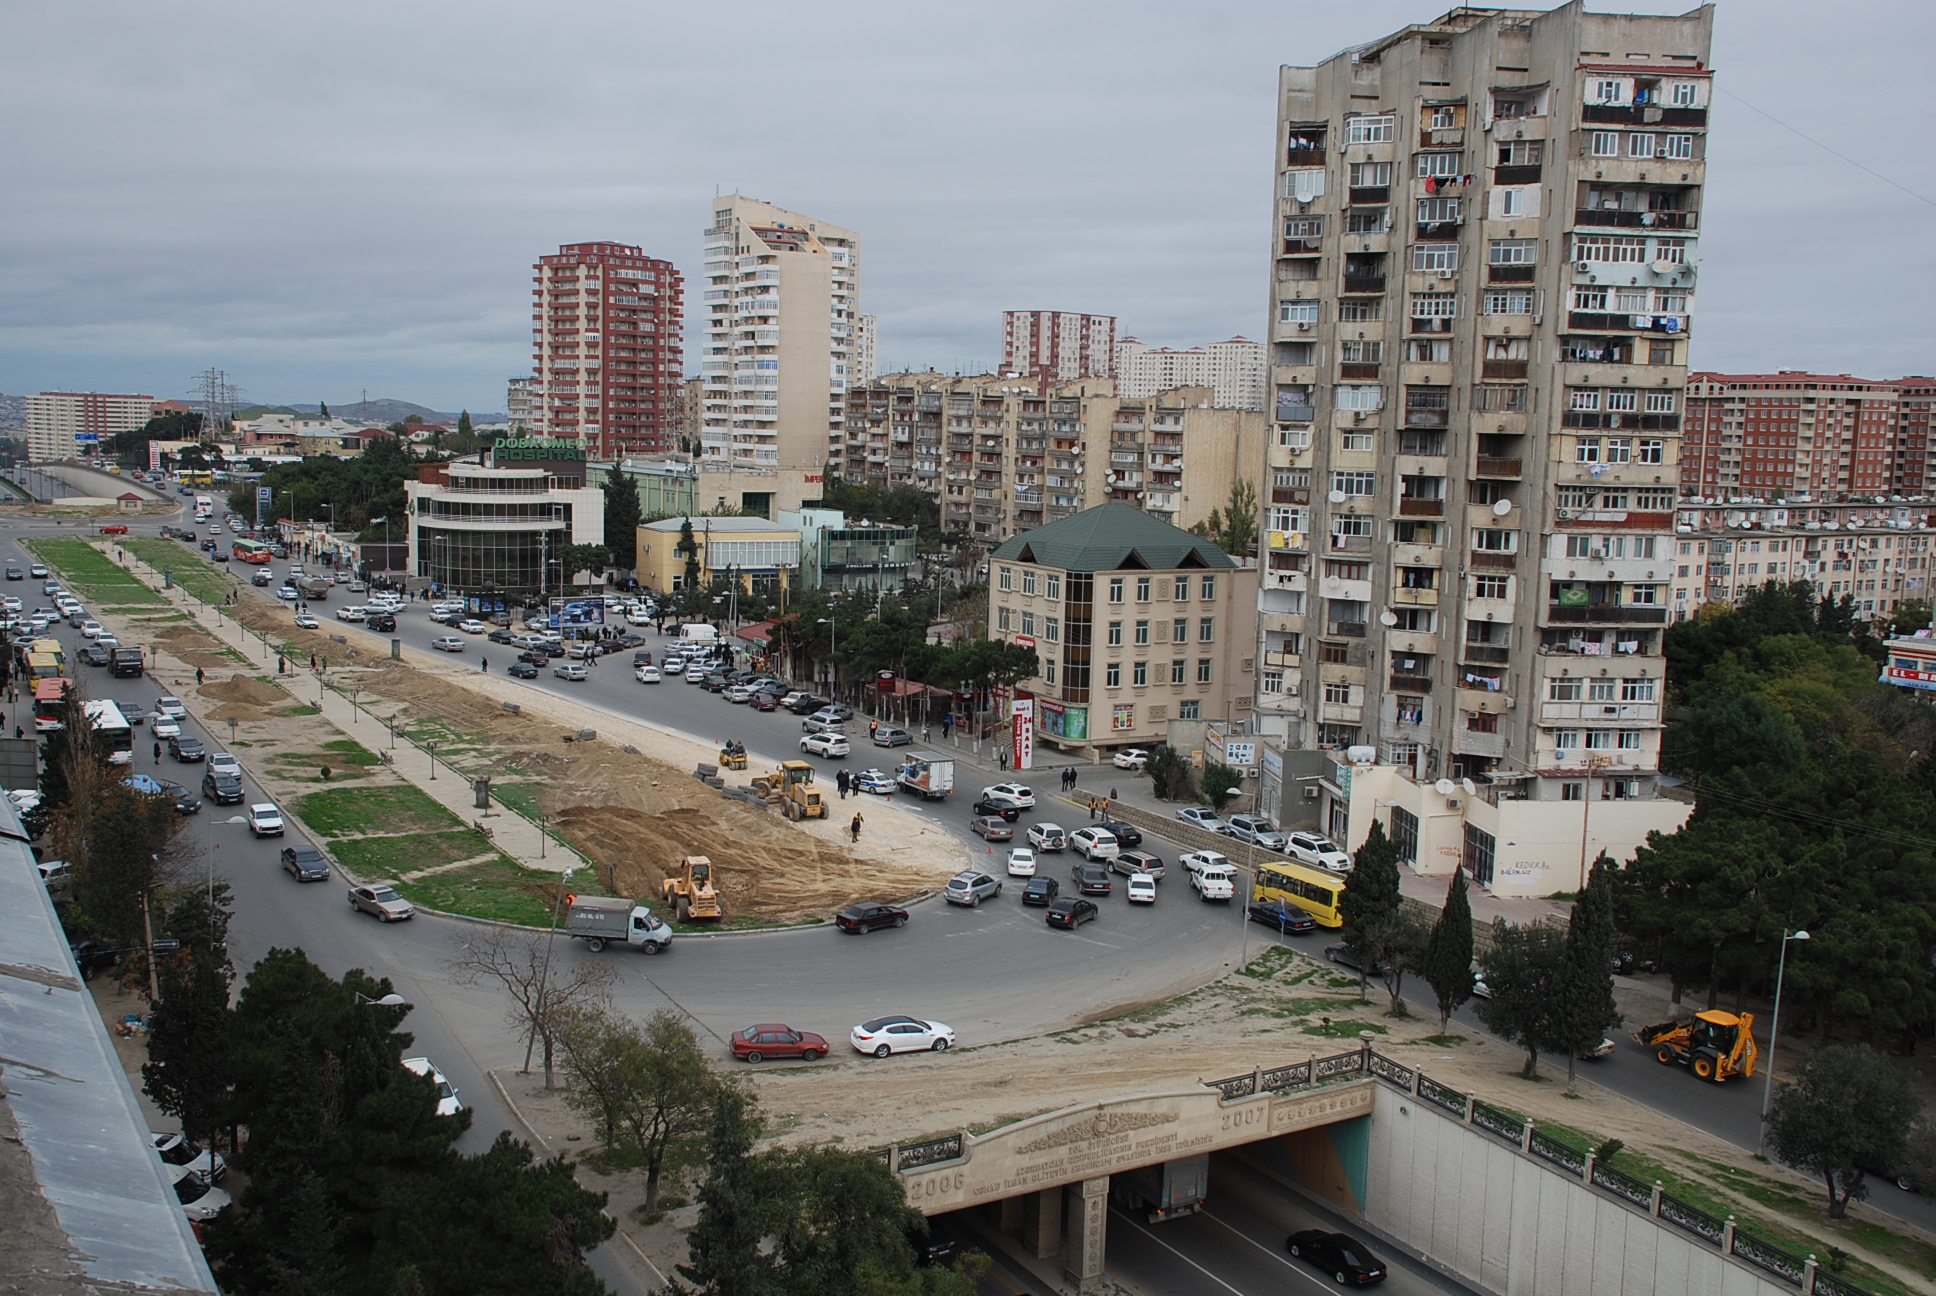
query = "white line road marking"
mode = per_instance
[{"x": 1301, "y": 1273}]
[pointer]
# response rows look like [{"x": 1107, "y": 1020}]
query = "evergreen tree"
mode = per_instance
[
  {"x": 833, "y": 1212},
  {"x": 464, "y": 424},
  {"x": 1370, "y": 899},
  {"x": 1584, "y": 1008},
  {"x": 689, "y": 546},
  {"x": 323, "y": 406},
  {"x": 1848, "y": 1110},
  {"x": 1521, "y": 968},
  {"x": 1448, "y": 954},
  {"x": 622, "y": 514},
  {"x": 188, "y": 1073},
  {"x": 1221, "y": 784},
  {"x": 725, "y": 1242}
]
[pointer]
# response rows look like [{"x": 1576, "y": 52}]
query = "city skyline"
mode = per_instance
[{"x": 314, "y": 247}]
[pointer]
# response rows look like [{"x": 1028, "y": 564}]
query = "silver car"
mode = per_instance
[
  {"x": 382, "y": 901},
  {"x": 1255, "y": 829},
  {"x": 971, "y": 888}
]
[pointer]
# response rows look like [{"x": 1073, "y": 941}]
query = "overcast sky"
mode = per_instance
[{"x": 326, "y": 198}]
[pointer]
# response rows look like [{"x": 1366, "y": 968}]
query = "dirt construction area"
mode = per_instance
[{"x": 635, "y": 815}]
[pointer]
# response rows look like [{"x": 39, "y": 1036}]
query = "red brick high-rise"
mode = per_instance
[{"x": 607, "y": 342}]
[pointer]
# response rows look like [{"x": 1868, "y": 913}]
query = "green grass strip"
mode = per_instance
[{"x": 91, "y": 574}]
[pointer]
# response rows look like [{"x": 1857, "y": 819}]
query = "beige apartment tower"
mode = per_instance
[
  {"x": 1483, "y": 257},
  {"x": 782, "y": 307}
]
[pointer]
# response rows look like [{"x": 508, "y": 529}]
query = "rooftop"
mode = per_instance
[{"x": 1113, "y": 537}]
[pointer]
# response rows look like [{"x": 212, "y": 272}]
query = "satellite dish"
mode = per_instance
[
  {"x": 1388, "y": 617},
  {"x": 1501, "y": 507},
  {"x": 1445, "y": 787},
  {"x": 1470, "y": 790},
  {"x": 1336, "y": 497}
]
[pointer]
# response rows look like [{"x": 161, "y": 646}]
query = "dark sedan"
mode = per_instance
[
  {"x": 1126, "y": 836},
  {"x": 92, "y": 956},
  {"x": 534, "y": 658},
  {"x": 1344, "y": 956},
  {"x": 381, "y": 622},
  {"x": 869, "y": 915},
  {"x": 757, "y": 1043},
  {"x": 1071, "y": 912},
  {"x": 222, "y": 789},
  {"x": 766, "y": 702},
  {"x": 305, "y": 864},
  {"x": 1040, "y": 890},
  {"x": 501, "y": 637},
  {"x": 1093, "y": 879},
  {"x": 1007, "y": 810},
  {"x": 1289, "y": 920},
  {"x": 186, "y": 802},
  {"x": 94, "y": 655},
  {"x": 1342, "y": 1256},
  {"x": 185, "y": 748},
  {"x": 806, "y": 705},
  {"x": 522, "y": 669}
]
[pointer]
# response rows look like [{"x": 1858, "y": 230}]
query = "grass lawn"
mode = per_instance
[
  {"x": 519, "y": 798},
  {"x": 193, "y": 572},
  {"x": 497, "y": 888},
  {"x": 388, "y": 857},
  {"x": 342, "y": 811},
  {"x": 91, "y": 573}
]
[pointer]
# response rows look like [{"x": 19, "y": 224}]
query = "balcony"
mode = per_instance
[
  {"x": 1364, "y": 284},
  {"x": 1290, "y": 495},
  {"x": 1305, "y": 157},
  {"x": 1608, "y": 613},
  {"x": 1620, "y": 216},
  {"x": 1369, "y": 195},
  {"x": 1358, "y": 370},
  {"x": 1412, "y": 506},
  {"x": 1642, "y": 115},
  {"x": 1425, "y": 418},
  {"x": 1516, "y": 175},
  {"x": 1303, "y": 247},
  {"x": 1491, "y": 560},
  {"x": 1510, "y": 273},
  {"x": 1287, "y": 660},
  {"x": 1503, "y": 369},
  {"x": 1407, "y": 596},
  {"x": 1411, "y": 683},
  {"x": 1490, "y": 466},
  {"x": 1640, "y": 712},
  {"x": 1441, "y": 137},
  {"x": 1345, "y": 629},
  {"x": 1470, "y": 742},
  {"x": 1350, "y": 544},
  {"x": 1496, "y": 654}
]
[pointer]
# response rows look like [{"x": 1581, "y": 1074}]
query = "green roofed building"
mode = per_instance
[{"x": 1135, "y": 623}]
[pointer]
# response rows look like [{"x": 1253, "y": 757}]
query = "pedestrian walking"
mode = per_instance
[
  {"x": 282, "y": 664},
  {"x": 157, "y": 752},
  {"x": 872, "y": 725},
  {"x": 484, "y": 665},
  {"x": 924, "y": 735},
  {"x": 854, "y": 827},
  {"x": 312, "y": 661},
  {"x": 199, "y": 677}
]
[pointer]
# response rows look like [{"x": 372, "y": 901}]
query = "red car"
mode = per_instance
[
  {"x": 757, "y": 1043},
  {"x": 116, "y": 529}
]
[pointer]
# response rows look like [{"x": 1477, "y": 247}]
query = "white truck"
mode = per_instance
[
  {"x": 698, "y": 634},
  {"x": 927, "y": 775},
  {"x": 1167, "y": 1191},
  {"x": 1214, "y": 882},
  {"x": 610, "y": 920}
]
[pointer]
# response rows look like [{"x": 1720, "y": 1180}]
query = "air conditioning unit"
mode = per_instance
[
  {"x": 1563, "y": 514},
  {"x": 1447, "y": 274},
  {"x": 1311, "y": 793},
  {"x": 1304, "y": 326},
  {"x": 1452, "y": 803}
]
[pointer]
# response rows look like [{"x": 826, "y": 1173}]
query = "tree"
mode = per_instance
[
  {"x": 724, "y": 1244},
  {"x": 1448, "y": 953},
  {"x": 833, "y": 1212},
  {"x": 1221, "y": 784},
  {"x": 1584, "y": 1008},
  {"x": 689, "y": 546},
  {"x": 1396, "y": 946},
  {"x": 188, "y": 1073},
  {"x": 1169, "y": 773},
  {"x": 1370, "y": 900},
  {"x": 545, "y": 997},
  {"x": 576, "y": 558},
  {"x": 622, "y": 513},
  {"x": 648, "y": 1088},
  {"x": 1847, "y": 1109},
  {"x": 464, "y": 428},
  {"x": 1521, "y": 969},
  {"x": 1235, "y": 527}
]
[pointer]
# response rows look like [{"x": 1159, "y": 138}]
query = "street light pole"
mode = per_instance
[
  {"x": 1774, "y": 1034},
  {"x": 544, "y": 975}
]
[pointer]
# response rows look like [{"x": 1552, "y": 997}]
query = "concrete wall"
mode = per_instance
[{"x": 1505, "y": 1222}]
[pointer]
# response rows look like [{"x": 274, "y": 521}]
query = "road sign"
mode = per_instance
[{"x": 165, "y": 946}]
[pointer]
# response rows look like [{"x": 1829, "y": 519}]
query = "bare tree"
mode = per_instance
[
  {"x": 544, "y": 993},
  {"x": 649, "y": 1088}
]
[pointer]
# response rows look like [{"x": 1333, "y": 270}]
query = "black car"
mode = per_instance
[
  {"x": 1093, "y": 879},
  {"x": 716, "y": 683},
  {"x": 186, "y": 802},
  {"x": 186, "y": 748},
  {"x": 868, "y": 915},
  {"x": 261, "y": 578},
  {"x": 94, "y": 655},
  {"x": 932, "y": 1250},
  {"x": 500, "y": 637},
  {"x": 1071, "y": 912},
  {"x": 643, "y": 657},
  {"x": 1008, "y": 810},
  {"x": 1040, "y": 890},
  {"x": 1342, "y": 1256},
  {"x": 1126, "y": 836},
  {"x": 807, "y": 705},
  {"x": 550, "y": 648},
  {"x": 14, "y": 573},
  {"x": 133, "y": 712},
  {"x": 381, "y": 622},
  {"x": 1289, "y": 920},
  {"x": 91, "y": 956},
  {"x": 222, "y": 789},
  {"x": 522, "y": 669},
  {"x": 1343, "y": 956},
  {"x": 305, "y": 864}
]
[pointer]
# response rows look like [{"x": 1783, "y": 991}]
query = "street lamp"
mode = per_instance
[
  {"x": 391, "y": 1000},
  {"x": 544, "y": 974},
  {"x": 1774, "y": 1033},
  {"x": 833, "y": 648}
]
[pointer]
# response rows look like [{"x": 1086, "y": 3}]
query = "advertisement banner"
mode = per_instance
[
  {"x": 265, "y": 502},
  {"x": 577, "y": 614},
  {"x": 1024, "y": 725}
]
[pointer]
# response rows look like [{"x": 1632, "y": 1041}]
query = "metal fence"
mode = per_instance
[
  {"x": 914, "y": 1156},
  {"x": 1698, "y": 1222}
]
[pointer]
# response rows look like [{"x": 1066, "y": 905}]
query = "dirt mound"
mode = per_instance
[
  {"x": 240, "y": 688},
  {"x": 192, "y": 645}
]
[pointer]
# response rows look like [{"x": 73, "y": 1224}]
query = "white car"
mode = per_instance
[
  {"x": 833, "y": 746},
  {"x": 265, "y": 820},
  {"x": 647, "y": 675},
  {"x": 166, "y": 728},
  {"x": 1255, "y": 829},
  {"x": 1094, "y": 844},
  {"x": 1194, "y": 862},
  {"x": 473, "y": 626},
  {"x": 352, "y": 613},
  {"x": 447, "y": 643},
  {"x": 106, "y": 640},
  {"x": 448, "y": 1103},
  {"x": 208, "y": 1166},
  {"x": 304, "y": 621},
  {"x": 1309, "y": 848},
  {"x": 221, "y": 763},
  {"x": 200, "y": 1201},
  {"x": 1048, "y": 837},
  {"x": 1021, "y": 862},
  {"x": 885, "y": 1035},
  {"x": 289, "y": 594},
  {"x": 1015, "y": 792},
  {"x": 1215, "y": 883},
  {"x": 90, "y": 629},
  {"x": 574, "y": 671},
  {"x": 1130, "y": 758},
  {"x": 1140, "y": 888}
]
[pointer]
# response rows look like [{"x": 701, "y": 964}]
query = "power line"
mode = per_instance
[{"x": 1826, "y": 149}]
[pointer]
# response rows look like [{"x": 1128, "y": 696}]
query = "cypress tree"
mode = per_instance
[
  {"x": 1370, "y": 899},
  {"x": 1448, "y": 955},
  {"x": 725, "y": 1242},
  {"x": 1584, "y": 1006}
]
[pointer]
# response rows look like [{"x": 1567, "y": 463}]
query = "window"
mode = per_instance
[
  {"x": 1435, "y": 305},
  {"x": 1514, "y": 201},
  {"x": 1203, "y": 669},
  {"x": 1607, "y": 92},
  {"x": 1189, "y": 710},
  {"x": 1370, "y": 175},
  {"x": 1207, "y": 588},
  {"x": 1488, "y": 540},
  {"x": 1142, "y": 632},
  {"x": 1337, "y": 693},
  {"x": 1673, "y": 251},
  {"x": 1580, "y": 546},
  {"x": 1361, "y": 352},
  {"x": 1683, "y": 94},
  {"x": 1355, "y": 441},
  {"x": 1115, "y": 634},
  {"x": 1416, "y": 620},
  {"x": 1177, "y": 670},
  {"x": 1115, "y": 589},
  {"x": 1491, "y": 587},
  {"x": 1028, "y": 624},
  {"x": 1589, "y": 299},
  {"x": 1637, "y": 690},
  {"x": 1621, "y": 400},
  {"x": 1599, "y": 740},
  {"x": 1001, "y": 618},
  {"x": 1572, "y": 791},
  {"x": 1007, "y": 580},
  {"x": 1364, "y": 220},
  {"x": 1660, "y": 353},
  {"x": 1304, "y": 183},
  {"x": 1640, "y": 144},
  {"x": 1180, "y": 589},
  {"x": 1297, "y": 312},
  {"x": 1486, "y": 399},
  {"x": 1644, "y": 595},
  {"x": 1438, "y": 165},
  {"x": 1356, "y": 396},
  {"x": 1333, "y": 654},
  {"x": 1677, "y": 146},
  {"x": 1028, "y": 582},
  {"x": 1521, "y": 152},
  {"x": 1355, "y": 483},
  {"x": 1142, "y": 589},
  {"x": 1482, "y": 722},
  {"x": 1429, "y": 350},
  {"x": 1112, "y": 675},
  {"x": 1619, "y": 450},
  {"x": 1304, "y": 227},
  {"x": 1048, "y": 671},
  {"x": 1586, "y": 450},
  {"x": 1583, "y": 398},
  {"x": 1612, "y": 249},
  {"x": 1660, "y": 402},
  {"x": 1139, "y": 674},
  {"x": 1512, "y": 252},
  {"x": 1052, "y": 629},
  {"x": 1207, "y": 630},
  {"x": 1370, "y": 130},
  {"x": 1653, "y": 501},
  {"x": 1565, "y": 740},
  {"x": 1599, "y": 690},
  {"x": 1432, "y": 257},
  {"x": 1054, "y": 582},
  {"x": 1180, "y": 630},
  {"x": 1361, "y": 311},
  {"x": 1605, "y": 144},
  {"x": 1348, "y": 525},
  {"x": 1563, "y": 690}
]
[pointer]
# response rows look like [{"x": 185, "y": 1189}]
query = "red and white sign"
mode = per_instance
[
  {"x": 1024, "y": 641},
  {"x": 1022, "y": 719}
]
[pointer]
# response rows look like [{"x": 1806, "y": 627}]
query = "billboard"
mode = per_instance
[
  {"x": 577, "y": 614},
  {"x": 1024, "y": 722},
  {"x": 264, "y": 504}
]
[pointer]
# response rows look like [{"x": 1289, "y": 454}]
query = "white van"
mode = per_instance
[{"x": 698, "y": 632}]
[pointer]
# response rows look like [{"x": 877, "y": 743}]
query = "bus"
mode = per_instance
[
  {"x": 250, "y": 551},
  {"x": 112, "y": 733},
  {"x": 50, "y": 705},
  {"x": 196, "y": 478},
  {"x": 1313, "y": 890},
  {"x": 44, "y": 664}
]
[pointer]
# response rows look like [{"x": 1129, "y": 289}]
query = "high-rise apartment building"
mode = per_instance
[
  {"x": 864, "y": 360},
  {"x": 782, "y": 305},
  {"x": 1806, "y": 437},
  {"x": 62, "y": 425},
  {"x": 1233, "y": 370},
  {"x": 608, "y": 348},
  {"x": 520, "y": 403},
  {"x": 1483, "y": 274},
  {"x": 1058, "y": 346}
]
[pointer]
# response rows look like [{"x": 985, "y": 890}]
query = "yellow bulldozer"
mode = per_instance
[
  {"x": 1715, "y": 1046},
  {"x": 689, "y": 892},
  {"x": 792, "y": 785}
]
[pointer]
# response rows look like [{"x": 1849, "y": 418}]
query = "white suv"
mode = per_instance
[
  {"x": 1309, "y": 848},
  {"x": 831, "y": 745},
  {"x": 1094, "y": 844}
]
